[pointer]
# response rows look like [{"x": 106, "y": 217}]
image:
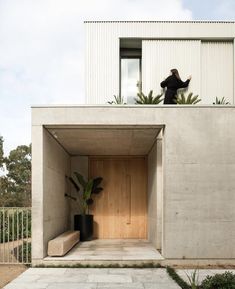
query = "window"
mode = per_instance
[{"x": 130, "y": 74}]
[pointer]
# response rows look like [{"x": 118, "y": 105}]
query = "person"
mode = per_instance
[{"x": 172, "y": 83}]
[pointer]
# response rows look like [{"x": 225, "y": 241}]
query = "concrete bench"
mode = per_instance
[{"x": 63, "y": 243}]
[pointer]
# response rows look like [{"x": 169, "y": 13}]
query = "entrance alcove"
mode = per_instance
[{"x": 128, "y": 212}]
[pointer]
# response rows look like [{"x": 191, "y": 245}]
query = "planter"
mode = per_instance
[{"x": 84, "y": 224}]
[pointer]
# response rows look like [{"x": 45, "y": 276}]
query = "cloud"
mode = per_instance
[{"x": 42, "y": 49}]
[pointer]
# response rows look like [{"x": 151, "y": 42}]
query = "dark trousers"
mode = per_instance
[{"x": 170, "y": 97}]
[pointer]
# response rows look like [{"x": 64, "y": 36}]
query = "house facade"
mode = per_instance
[{"x": 168, "y": 170}]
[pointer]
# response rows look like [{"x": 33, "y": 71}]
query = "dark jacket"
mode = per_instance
[{"x": 172, "y": 83}]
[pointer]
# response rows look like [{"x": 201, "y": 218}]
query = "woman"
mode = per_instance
[{"x": 172, "y": 83}]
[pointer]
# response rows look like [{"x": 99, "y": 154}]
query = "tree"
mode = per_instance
[
  {"x": 15, "y": 185},
  {"x": 1, "y": 152}
]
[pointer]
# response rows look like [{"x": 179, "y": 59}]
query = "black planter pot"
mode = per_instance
[{"x": 84, "y": 224}]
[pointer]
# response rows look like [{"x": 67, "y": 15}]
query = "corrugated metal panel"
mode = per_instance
[
  {"x": 217, "y": 71},
  {"x": 174, "y": 30},
  {"x": 165, "y": 21},
  {"x": 160, "y": 56},
  {"x": 102, "y": 64},
  {"x": 102, "y": 48}
]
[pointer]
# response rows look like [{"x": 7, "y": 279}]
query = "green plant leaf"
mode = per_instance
[
  {"x": 97, "y": 190},
  {"x": 150, "y": 99},
  {"x": 80, "y": 179},
  {"x": 88, "y": 189},
  {"x": 74, "y": 184},
  {"x": 97, "y": 181}
]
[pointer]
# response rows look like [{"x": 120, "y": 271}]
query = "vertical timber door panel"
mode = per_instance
[{"x": 120, "y": 210}]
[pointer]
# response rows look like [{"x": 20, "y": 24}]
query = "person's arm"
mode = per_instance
[
  {"x": 184, "y": 84},
  {"x": 164, "y": 83}
]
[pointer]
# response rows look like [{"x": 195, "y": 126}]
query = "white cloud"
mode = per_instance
[{"x": 41, "y": 52}]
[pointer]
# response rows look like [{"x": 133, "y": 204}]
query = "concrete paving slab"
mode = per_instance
[
  {"x": 109, "y": 278},
  {"x": 72, "y": 286},
  {"x": 93, "y": 278},
  {"x": 120, "y": 286}
]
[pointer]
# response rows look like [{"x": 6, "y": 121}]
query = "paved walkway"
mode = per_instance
[
  {"x": 81, "y": 278},
  {"x": 73, "y": 278},
  {"x": 111, "y": 249}
]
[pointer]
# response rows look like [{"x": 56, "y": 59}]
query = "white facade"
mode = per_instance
[{"x": 204, "y": 50}]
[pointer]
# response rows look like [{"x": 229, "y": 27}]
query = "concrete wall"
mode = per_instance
[
  {"x": 78, "y": 164},
  {"x": 198, "y": 169},
  {"x": 55, "y": 204},
  {"x": 160, "y": 165},
  {"x": 152, "y": 195},
  {"x": 103, "y": 49},
  {"x": 155, "y": 193},
  {"x": 50, "y": 207}
]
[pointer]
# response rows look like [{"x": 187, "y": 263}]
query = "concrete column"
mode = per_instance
[
  {"x": 159, "y": 191},
  {"x": 37, "y": 192}
]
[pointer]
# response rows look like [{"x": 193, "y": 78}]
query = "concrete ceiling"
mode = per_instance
[{"x": 105, "y": 141}]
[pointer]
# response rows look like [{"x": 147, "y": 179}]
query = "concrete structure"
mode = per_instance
[{"x": 189, "y": 149}]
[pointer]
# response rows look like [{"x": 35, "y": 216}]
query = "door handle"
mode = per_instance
[{"x": 128, "y": 190}]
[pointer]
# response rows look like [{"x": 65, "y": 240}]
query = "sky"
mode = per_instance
[{"x": 42, "y": 49}]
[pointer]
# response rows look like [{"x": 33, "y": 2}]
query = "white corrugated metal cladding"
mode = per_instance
[{"x": 203, "y": 49}]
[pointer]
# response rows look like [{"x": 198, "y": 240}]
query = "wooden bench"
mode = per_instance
[{"x": 63, "y": 243}]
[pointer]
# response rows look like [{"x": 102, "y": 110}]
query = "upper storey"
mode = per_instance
[{"x": 125, "y": 57}]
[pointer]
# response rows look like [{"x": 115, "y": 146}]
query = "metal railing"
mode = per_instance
[{"x": 15, "y": 235}]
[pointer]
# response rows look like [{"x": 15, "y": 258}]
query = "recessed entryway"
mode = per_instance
[{"x": 129, "y": 158}]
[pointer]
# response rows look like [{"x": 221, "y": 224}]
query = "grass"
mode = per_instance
[{"x": 78, "y": 265}]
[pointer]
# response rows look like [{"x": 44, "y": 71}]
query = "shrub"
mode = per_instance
[
  {"x": 23, "y": 252},
  {"x": 222, "y": 101},
  {"x": 190, "y": 99},
  {"x": 219, "y": 281},
  {"x": 118, "y": 99},
  {"x": 148, "y": 99},
  {"x": 193, "y": 279},
  {"x": 9, "y": 219}
]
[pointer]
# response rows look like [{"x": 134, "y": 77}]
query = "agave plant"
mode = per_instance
[
  {"x": 194, "y": 279},
  {"x": 221, "y": 101},
  {"x": 89, "y": 187},
  {"x": 118, "y": 99},
  {"x": 149, "y": 99},
  {"x": 190, "y": 99}
]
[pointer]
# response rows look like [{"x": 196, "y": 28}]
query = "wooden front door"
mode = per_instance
[{"x": 120, "y": 210}]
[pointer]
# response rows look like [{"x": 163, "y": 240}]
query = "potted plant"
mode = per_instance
[{"x": 84, "y": 221}]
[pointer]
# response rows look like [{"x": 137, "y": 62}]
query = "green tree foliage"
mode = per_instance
[
  {"x": 1, "y": 152},
  {"x": 15, "y": 184}
]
